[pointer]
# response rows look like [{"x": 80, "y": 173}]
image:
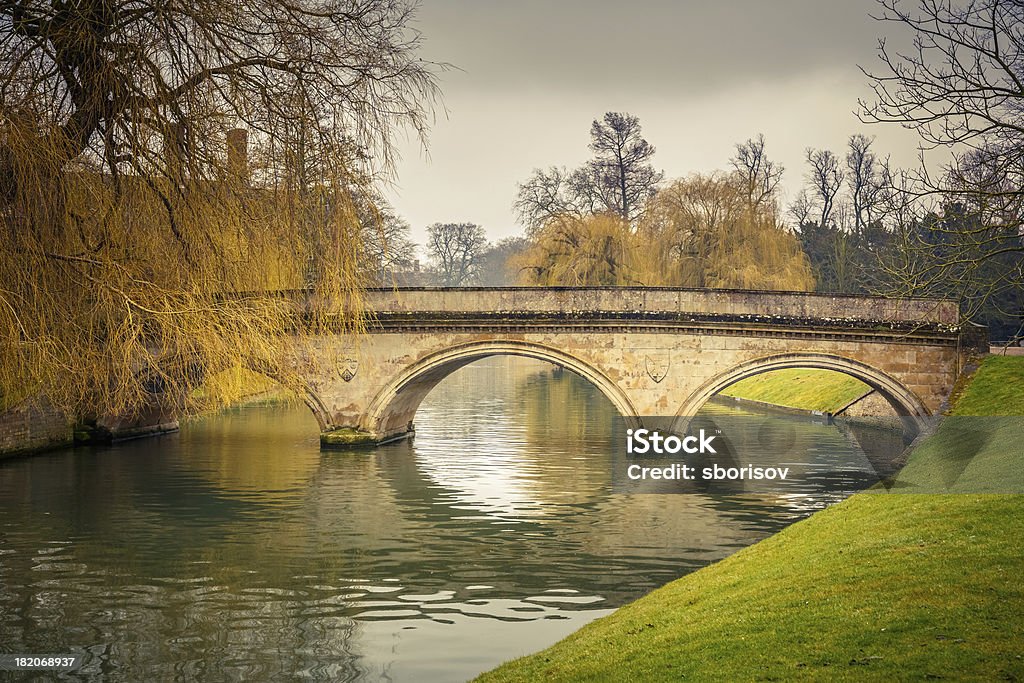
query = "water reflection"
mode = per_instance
[{"x": 237, "y": 550}]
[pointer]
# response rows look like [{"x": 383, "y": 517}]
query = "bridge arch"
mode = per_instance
[
  {"x": 301, "y": 388},
  {"x": 391, "y": 412},
  {"x": 904, "y": 401},
  {"x": 315, "y": 405}
]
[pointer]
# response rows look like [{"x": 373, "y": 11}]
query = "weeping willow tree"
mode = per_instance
[
  {"x": 163, "y": 165},
  {"x": 712, "y": 231},
  {"x": 682, "y": 223},
  {"x": 576, "y": 251},
  {"x": 697, "y": 232},
  {"x": 723, "y": 229}
]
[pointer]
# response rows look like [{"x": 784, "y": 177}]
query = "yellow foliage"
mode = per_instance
[
  {"x": 572, "y": 251},
  {"x": 162, "y": 167},
  {"x": 119, "y": 292},
  {"x": 239, "y": 382},
  {"x": 700, "y": 231},
  {"x": 703, "y": 231}
]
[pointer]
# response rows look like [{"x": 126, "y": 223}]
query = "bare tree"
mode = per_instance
[
  {"x": 961, "y": 87},
  {"x": 846, "y": 194},
  {"x": 826, "y": 179},
  {"x": 621, "y": 169},
  {"x": 457, "y": 249},
  {"x": 619, "y": 179},
  {"x": 554, "y": 192},
  {"x": 962, "y": 82},
  {"x": 758, "y": 176},
  {"x": 865, "y": 179},
  {"x": 801, "y": 208},
  {"x": 387, "y": 247}
]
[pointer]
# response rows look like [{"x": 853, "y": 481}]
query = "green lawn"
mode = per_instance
[
  {"x": 884, "y": 586},
  {"x": 806, "y": 389},
  {"x": 997, "y": 388}
]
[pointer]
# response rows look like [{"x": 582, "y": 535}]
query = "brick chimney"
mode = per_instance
[
  {"x": 238, "y": 154},
  {"x": 175, "y": 149}
]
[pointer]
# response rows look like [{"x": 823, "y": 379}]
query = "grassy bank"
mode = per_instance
[
  {"x": 997, "y": 388},
  {"x": 238, "y": 386},
  {"x": 886, "y": 586},
  {"x": 805, "y": 389}
]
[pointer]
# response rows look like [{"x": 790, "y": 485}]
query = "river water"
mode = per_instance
[{"x": 237, "y": 550}]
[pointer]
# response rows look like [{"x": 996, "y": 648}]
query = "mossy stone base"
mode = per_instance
[{"x": 348, "y": 437}]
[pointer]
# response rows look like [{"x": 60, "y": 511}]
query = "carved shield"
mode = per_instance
[
  {"x": 656, "y": 365},
  {"x": 347, "y": 368}
]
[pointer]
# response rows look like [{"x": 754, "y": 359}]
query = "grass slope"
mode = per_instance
[
  {"x": 997, "y": 388},
  {"x": 807, "y": 389},
  {"x": 973, "y": 450},
  {"x": 883, "y": 586}
]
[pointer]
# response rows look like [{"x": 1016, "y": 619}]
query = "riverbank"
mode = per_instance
[
  {"x": 803, "y": 389},
  {"x": 34, "y": 426},
  {"x": 882, "y": 585}
]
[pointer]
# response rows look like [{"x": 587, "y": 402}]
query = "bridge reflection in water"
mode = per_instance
[{"x": 237, "y": 546}]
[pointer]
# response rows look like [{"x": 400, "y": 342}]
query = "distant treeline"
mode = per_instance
[{"x": 857, "y": 226}]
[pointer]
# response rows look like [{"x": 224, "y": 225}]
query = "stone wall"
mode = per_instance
[
  {"x": 32, "y": 426},
  {"x": 871, "y": 404},
  {"x": 824, "y": 308}
]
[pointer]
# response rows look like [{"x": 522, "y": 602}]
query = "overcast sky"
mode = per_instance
[{"x": 701, "y": 75}]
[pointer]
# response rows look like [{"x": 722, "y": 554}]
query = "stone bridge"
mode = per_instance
[{"x": 654, "y": 352}]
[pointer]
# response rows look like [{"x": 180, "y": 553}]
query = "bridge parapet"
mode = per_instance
[{"x": 656, "y": 300}]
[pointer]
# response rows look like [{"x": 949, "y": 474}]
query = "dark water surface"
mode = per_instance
[{"x": 236, "y": 550}]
